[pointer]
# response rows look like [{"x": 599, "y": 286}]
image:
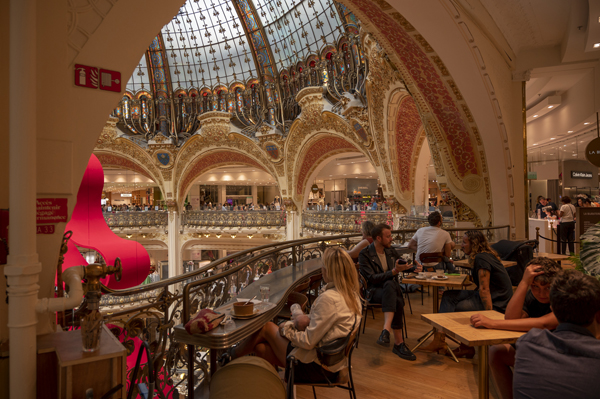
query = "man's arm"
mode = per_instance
[
  {"x": 448, "y": 249},
  {"x": 484, "y": 289},
  {"x": 413, "y": 244},
  {"x": 367, "y": 269},
  {"x": 548, "y": 321},
  {"x": 514, "y": 309}
]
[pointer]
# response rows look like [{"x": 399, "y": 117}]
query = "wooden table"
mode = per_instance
[
  {"x": 465, "y": 263},
  {"x": 452, "y": 281},
  {"x": 556, "y": 257},
  {"x": 65, "y": 371},
  {"x": 458, "y": 325}
]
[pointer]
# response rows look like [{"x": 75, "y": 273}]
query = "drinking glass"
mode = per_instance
[{"x": 264, "y": 292}]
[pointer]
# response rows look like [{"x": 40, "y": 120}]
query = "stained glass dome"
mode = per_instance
[{"x": 239, "y": 56}]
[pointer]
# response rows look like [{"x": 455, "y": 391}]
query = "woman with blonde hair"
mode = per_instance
[
  {"x": 493, "y": 292},
  {"x": 334, "y": 314}
]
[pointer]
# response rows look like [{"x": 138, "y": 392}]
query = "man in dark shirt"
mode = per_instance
[
  {"x": 528, "y": 308},
  {"x": 564, "y": 363},
  {"x": 380, "y": 268}
]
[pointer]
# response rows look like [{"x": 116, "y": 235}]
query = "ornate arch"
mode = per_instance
[
  {"x": 314, "y": 120},
  {"x": 317, "y": 149},
  {"x": 455, "y": 145},
  {"x": 213, "y": 159},
  {"x": 118, "y": 151},
  {"x": 117, "y": 161},
  {"x": 406, "y": 136}
]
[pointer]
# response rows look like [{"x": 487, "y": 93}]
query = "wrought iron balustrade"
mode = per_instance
[
  {"x": 134, "y": 219},
  {"x": 152, "y": 311},
  {"x": 416, "y": 222},
  {"x": 234, "y": 219},
  {"x": 341, "y": 221}
]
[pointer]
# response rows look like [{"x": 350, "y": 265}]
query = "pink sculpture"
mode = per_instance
[{"x": 91, "y": 231}]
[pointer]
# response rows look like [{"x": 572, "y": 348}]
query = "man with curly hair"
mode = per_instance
[
  {"x": 563, "y": 363},
  {"x": 528, "y": 308}
]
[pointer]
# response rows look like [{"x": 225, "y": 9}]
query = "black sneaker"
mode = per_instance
[
  {"x": 384, "y": 338},
  {"x": 403, "y": 351}
]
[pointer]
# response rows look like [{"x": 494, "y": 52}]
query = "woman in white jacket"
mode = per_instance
[{"x": 332, "y": 316}]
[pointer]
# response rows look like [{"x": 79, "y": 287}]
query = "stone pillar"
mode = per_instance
[
  {"x": 173, "y": 250},
  {"x": 23, "y": 268},
  {"x": 293, "y": 224},
  {"x": 254, "y": 194},
  {"x": 222, "y": 194}
]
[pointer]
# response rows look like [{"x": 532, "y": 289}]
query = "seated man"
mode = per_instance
[
  {"x": 379, "y": 266},
  {"x": 433, "y": 239},
  {"x": 563, "y": 363},
  {"x": 528, "y": 308}
]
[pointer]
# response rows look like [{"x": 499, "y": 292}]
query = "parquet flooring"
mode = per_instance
[{"x": 378, "y": 373}]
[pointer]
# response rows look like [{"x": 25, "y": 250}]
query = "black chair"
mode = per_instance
[
  {"x": 516, "y": 251},
  {"x": 369, "y": 305},
  {"x": 344, "y": 379}
]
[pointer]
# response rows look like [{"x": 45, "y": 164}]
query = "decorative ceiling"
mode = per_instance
[{"x": 210, "y": 43}]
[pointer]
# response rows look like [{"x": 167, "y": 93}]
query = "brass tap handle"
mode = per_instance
[{"x": 117, "y": 269}]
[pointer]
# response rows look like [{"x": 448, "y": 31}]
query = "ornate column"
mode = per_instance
[
  {"x": 173, "y": 250},
  {"x": 293, "y": 220},
  {"x": 23, "y": 267}
]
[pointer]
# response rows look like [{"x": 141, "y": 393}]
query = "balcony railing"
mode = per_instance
[
  {"x": 234, "y": 219},
  {"x": 318, "y": 222},
  {"x": 152, "y": 311},
  {"x": 132, "y": 219}
]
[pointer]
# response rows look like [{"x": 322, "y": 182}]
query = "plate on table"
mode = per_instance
[
  {"x": 421, "y": 277},
  {"x": 440, "y": 278}
]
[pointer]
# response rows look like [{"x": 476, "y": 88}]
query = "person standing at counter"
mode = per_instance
[
  {"x": 539, "y": 208},
  {"x": 567, "y": 224}
]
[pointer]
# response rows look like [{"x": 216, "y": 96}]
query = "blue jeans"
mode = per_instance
[{"x": 460, "y": 301}]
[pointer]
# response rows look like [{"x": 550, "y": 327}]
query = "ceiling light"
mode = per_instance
[
  {"x": 551, "y": 138},
  {"x": 535, "y": 144},
  {"x": 219, "y": 234},
  {"x": 586, "y": 123},
  {"x": 596, "y": 45},
  {"x": 233, "y": 235},
  {"x": 570, "y": 131},
  {"x": 250, "y": 236},
  {"x": 550, "y": 106},
  {"x": 535, "y": 116}
]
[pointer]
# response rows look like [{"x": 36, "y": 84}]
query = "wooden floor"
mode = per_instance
[{"x": 378, "y": 373}]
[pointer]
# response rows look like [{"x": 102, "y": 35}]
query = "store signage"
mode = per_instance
[
  {"x": 46, "y": 229},
  {"x": 581, "y": 175},
  {"x": 125, "y": 195},
  {"x": 97, "y": 78},
  {"x": 592, "y": 152},
  {"x": 532, "y": 175},
  {"x": 314, "y": 189},
  {"x": 51, "y": 210}
]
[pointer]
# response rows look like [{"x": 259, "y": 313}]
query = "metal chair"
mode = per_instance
[
  {"x": 344, "y": 378},
  {"x": 368, "y": 305}
]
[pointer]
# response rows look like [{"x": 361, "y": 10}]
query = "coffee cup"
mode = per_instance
[
  {"x": 439, "y": 273},
  {"x": 243, "y": 309},
  {"x": 421, "y": 274}
]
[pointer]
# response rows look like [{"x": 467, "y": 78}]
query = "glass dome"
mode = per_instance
[{"x": 242, "y": 57}]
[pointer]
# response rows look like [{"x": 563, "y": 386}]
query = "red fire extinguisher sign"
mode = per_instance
[{"x": 97, "y": 78}]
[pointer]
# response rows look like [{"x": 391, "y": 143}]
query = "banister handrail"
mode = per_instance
[{"x": 185, "y": 276}]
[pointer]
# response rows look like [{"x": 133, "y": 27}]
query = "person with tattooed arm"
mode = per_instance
[{"x": 493, "y": 291}]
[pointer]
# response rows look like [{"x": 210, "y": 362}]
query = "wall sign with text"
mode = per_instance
[
  {"x": 51, "y": 210},
  {"x": 581, "y": 175}
]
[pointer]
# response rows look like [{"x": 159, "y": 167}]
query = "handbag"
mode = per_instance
[
  {"x": 333, "y": 352},
  {"x": 205, "y": 320}
]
